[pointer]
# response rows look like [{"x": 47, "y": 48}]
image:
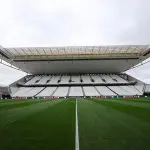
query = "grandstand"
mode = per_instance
[{"x": 87, "y": 71}]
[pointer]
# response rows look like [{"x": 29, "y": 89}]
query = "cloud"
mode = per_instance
[{"x": 75, "y": 22}]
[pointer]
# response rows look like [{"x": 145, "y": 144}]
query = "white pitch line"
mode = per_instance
[{"x": 77, "y": 131}]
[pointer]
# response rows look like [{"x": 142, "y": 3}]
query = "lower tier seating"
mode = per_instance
[
  {"x": 74, "y": 91},
  {"x": 90, "y": 91},
  {"x": 61, "y": 92},
  {"x": 46, "y": 92},
  {"x": 65, "y": 91},
  {"x": 104, "y": 91}
]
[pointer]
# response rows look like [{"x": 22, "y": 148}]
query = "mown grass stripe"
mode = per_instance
[
  {"x": 132, "y": 103},
  {"x": 102, "y": 127},
  {"x": 141, "y": 126},
  {"x": 143, "y": 100},
  {"x": 11, "y": 115},
  {"x": 140, "y": 113},
  {"x": 50, "y": 129},
  {"x": 10, "y": 105}
]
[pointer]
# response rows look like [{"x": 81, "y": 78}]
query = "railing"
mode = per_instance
[{"x": 78, "y": 84}]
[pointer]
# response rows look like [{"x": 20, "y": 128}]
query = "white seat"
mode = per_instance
[
  {"x": 76, "y": 91},
  {"x": 86, "y": 79},
  {"x": 47, "y": 91},
  {"x": 65, "y": 79},
  {"x": 61, "y": 91},
  {"x": 104, "y": 91},
  {"x": 90, "y": 91},
  {"x": 54, "y": 80},
  {"x": 75, "y": 79},
  {"x": 121, "y": 91},
  {"x": 33, "y": 80}
]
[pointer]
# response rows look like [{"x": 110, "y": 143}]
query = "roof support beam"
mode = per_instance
[
  {"x": 31, "y": 51},
  {"x": 24, "y": 51}
]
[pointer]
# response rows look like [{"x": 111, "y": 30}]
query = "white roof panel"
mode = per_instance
[
  {"x": 79, "y": 51},
  {"x": 75, "y": 59}
]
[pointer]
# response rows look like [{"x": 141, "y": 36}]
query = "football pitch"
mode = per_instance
[{"x": 73, "y": 124}]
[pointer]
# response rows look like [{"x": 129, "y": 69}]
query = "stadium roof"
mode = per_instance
[
  {"x": 36, "y": 53},
  {"x": 77, "y": 59}
]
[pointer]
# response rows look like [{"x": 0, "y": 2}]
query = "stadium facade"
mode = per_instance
[{"x": 86, "y": 71}]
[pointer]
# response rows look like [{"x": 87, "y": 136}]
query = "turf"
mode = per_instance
[
  {"x": 45, "y": 125},
  {"x": 112, "y": 124}
]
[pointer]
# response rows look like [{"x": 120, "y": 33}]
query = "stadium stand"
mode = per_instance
[
  {"x": 48, "y": 91},
  {"x": 74, "y": 91},
  {"x": 65, "y": 79},
  {"x": 105, "y": 91},
  {"x": 123, "y": 90},
  {"x": 90, "y": 91},
  {"x": 55, "y": 80},
  {"x": 118, "y": 79},
  {"x": 61, "y": 92},
  {"x": 75, "y": 79},
  {"x": 79, "y": 85},
  {"x": 90, "y": 71},
  {"x": 34, "y": 80},
  {"x": 22, "y": 91}
]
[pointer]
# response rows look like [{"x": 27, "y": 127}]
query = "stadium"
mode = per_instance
[
  {"x": 85, "y": 92},
  {"x": 76, "y": 71}
]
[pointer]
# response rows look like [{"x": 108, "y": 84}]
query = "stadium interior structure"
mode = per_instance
[
  {"x": 4, "y": 93},
  {"x": 86, "y": 71}
]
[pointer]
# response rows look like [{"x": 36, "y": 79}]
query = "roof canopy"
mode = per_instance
[
  {"x": 74, "y": 52},
  {"x": 80, "y": 59}
]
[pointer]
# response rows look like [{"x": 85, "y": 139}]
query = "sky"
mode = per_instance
[{"x": 73, "y": 23}]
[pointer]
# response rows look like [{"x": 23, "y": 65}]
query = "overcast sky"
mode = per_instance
[{"x": 73, "y": 22}]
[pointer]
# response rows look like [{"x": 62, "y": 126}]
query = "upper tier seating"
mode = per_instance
[
  {"x": 118, "y": 78},
  {"x": 76, "y": 79},
  {"x": 86, "y": 79},
  {"x": 107, "y": 79},
  {"x": 65, "y": 79},
  {"x": 55, "y": 80},
  {"x": 97, "y": 79},
  {"x": 34, "y": 80},
  {"x": 44, "y": 80}
]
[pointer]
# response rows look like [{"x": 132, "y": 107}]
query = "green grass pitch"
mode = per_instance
[{"x": 110, "y": 124}]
